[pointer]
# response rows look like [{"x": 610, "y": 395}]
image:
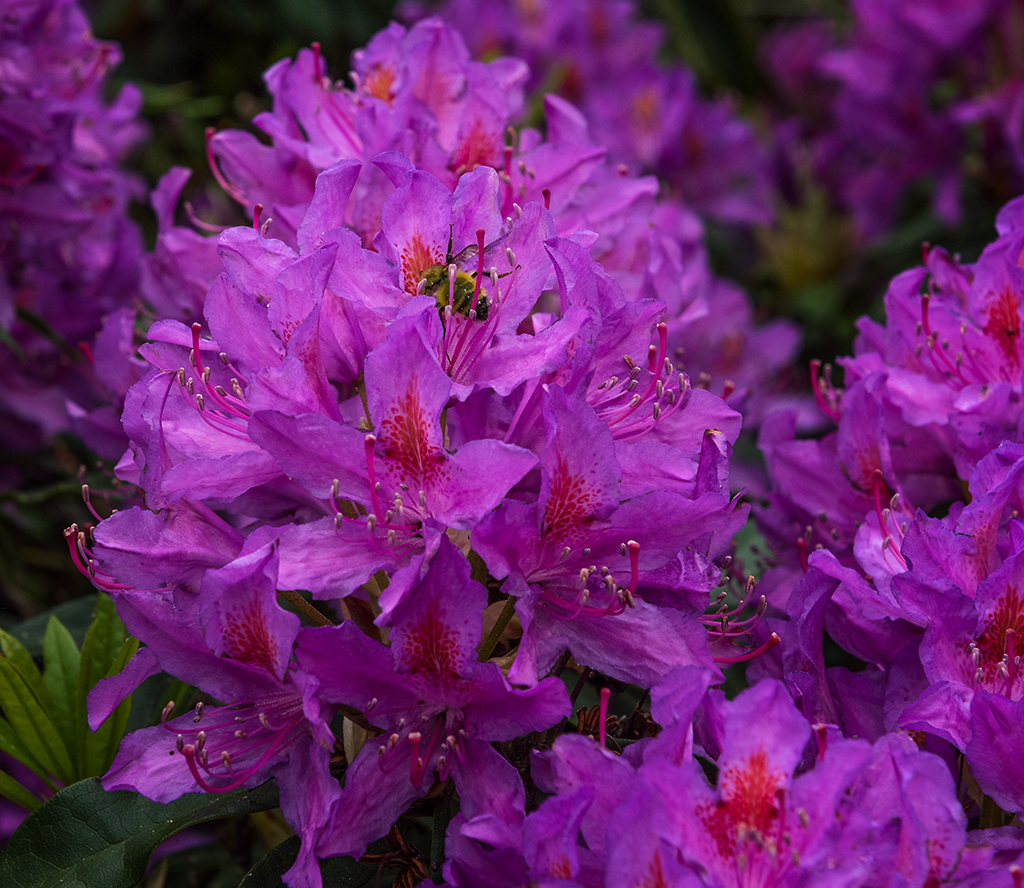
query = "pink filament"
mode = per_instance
[{"x": 772, "y": 641}]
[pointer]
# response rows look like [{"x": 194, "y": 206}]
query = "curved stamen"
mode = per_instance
[
  {"x": 190, "y": 752},
  {"x": 193, "y": 217},
  {"x": 86, "y": 564},
  {"x": 772, "y": 641},
  {"x": 211, "y": 159},
  {"x": 825, "y": 395}
]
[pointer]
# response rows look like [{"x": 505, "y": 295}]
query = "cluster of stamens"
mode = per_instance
[
  {"x": 994, "y": 662},
  {"x": 631, "y": 414},
  {"x": 951, "y": 369},
  {"x": 505, "y": 176},
  {"x": 441, "y": 738},
  {"x": 246, "y": 734},
  {"x": 85, "y": 561},
  {"x": 727, "y": 624},
  {"x": 595, "y": 592},
  {"x": 226, "y": 412},
  {"x": 398, "y": 525}
]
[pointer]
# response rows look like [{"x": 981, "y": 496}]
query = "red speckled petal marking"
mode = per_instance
[
  {"x": 570, "y": 505},
  {"x": 248, "y": 638},
  {"x": 416, "y": 258},
  {"x": 1003, "y": 325},
  {"x": 559, "y": 868},
  {"x": 748, "y": 807},
  {"x": 430, "y": 646},
  {"x": 1008, "y": 614},
  {"x": 405, "y": 434},
  {"x": 655, "y": 875},
  {"x": 476, "y": 148}
]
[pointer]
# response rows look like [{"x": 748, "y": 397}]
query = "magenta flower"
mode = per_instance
[
  {"x": 234, "y": 642},
  {"x": 68, "y": 252},
  {"x": 401, "y": 474},
  {"x": 439, "y": 708},
  {"x": 575, "y": 559}
]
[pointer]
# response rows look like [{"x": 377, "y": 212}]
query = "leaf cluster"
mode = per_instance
[{"x": 44, "y": 725}]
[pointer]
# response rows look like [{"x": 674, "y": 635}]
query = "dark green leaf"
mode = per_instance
[
  {"x": 338, "y": 872},
  {"x": 32, "y": 724},
  {"x": 60, "y": 657},
  {"x": 74, "y": 615},
  {"x": 85, "y": 837}
]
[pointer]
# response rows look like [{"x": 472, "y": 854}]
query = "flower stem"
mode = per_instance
[
  {"x": 488, "y": 645},
  {"x": 305, "y": 608}
]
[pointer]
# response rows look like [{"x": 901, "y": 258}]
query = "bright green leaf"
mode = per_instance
[
  {"x": 32, "y": 724},
  {"x": 17, "y": 793},
  {"x": 12, "y": 744},
  {"x": 60, "y": 657},
  {"x": 85, "y": 837},
  {"x": 101, "y": 747},
  {"x": 18, "y": 656},
  {"x": 102, "y": 642}
]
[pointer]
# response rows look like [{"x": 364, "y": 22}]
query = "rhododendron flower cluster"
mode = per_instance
[
  {"x": 350, "y": 412},
  {"x": 602, "y": 58},
  {"x": 904, "y": 97},
  {"x": 421, "y": 101},
  {"x": 68, "y": 253},
  {"x": 930, "y": 413},
  {"x": 440, "y": 440}
]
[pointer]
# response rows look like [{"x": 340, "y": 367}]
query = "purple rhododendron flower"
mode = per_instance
[
  {"x": 648, "y": 117},
  {"x": 448, "y": 430},
  {"x": 438, "y": 706},
  {"x": 233, "y": 641},
  {"x": 68, "y": 252}
]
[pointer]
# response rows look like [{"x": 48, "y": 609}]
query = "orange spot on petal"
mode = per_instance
[
  {"x": 748, "y": 807},
  {"x": 378, "y": 83},
  {"x": 655, "y": 875},
  {"x": 571, "y": 503},
  {"x": 559, "y": 868},
  {"x": 477, "y": 147}
]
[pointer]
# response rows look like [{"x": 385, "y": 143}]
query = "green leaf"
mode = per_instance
[
  {"x": 85, "y": 837},
  {"x": 338, "y": 872},
  {"x": 101, "y": 747},
  {"x": 11, "y": 743},
  {"x": 32, "y": 724},
  {"x": 102, "y": 642},
  {"x": 17, "y": 793},
  {"x": 60, "y": 657},
  {"x": 17, "y": 654}
]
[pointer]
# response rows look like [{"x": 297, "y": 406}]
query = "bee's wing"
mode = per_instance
[{"x": 466, "y": 256}]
